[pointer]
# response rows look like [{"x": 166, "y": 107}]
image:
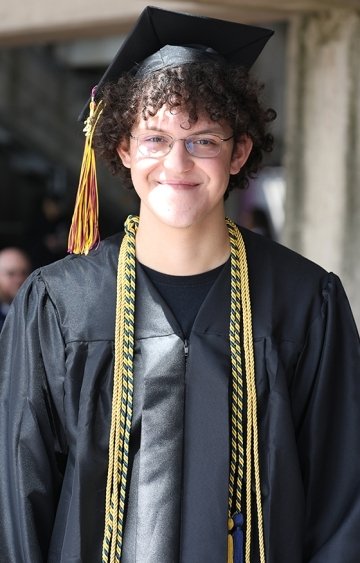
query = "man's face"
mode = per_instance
[
  {"x": 14, "y": 269},
  {"x": 179, "y": 189}
]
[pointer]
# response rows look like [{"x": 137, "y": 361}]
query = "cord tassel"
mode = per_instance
[
  {"x": 238, "y": 538},
  {"x": 230, "y": 552},
  {"x": 84, "y": 231}
]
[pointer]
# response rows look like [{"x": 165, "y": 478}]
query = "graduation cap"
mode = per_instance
[
  {"x": 157, "y": 28},
  {"x": 160, "y": 39}
]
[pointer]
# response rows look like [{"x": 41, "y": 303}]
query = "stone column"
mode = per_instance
[{"x": 322, "y": 156}]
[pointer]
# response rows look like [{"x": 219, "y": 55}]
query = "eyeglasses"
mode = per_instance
[{"x": 156, "y": 145}]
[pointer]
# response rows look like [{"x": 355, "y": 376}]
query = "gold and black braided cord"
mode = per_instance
[
  {"x": 237, "y": 444},
  {"x": 122, "y": 397},
  {"x": 243, "y": 391},
  {"x": 243, "y": 375}
]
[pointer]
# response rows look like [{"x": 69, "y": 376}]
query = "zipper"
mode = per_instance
[{"x": 186, "y": 349}]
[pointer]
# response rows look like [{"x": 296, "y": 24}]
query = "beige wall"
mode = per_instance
[
  {"x": 323, "y": 144},
  {"x": 39, "y": 20}
]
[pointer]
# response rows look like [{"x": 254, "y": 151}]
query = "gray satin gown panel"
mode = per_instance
[
  {"x": 206, "y": 433},
  {"x": 177, "y": 510},
  {"x": 160, "y": 467},
  {"x": 152, "y": 531}
]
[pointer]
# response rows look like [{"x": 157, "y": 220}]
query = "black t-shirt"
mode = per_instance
[{"x": 183, "y": 294}]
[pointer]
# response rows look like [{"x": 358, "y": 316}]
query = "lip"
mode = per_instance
[{"x": 178, "y": 184}]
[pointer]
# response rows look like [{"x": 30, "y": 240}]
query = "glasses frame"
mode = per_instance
[{"x": 184, "y": 139}]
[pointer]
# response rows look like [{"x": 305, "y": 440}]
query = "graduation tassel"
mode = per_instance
[
  {"x": 236, "y": 538},
  {"x": 230, "y": 552},
  {"x": 84, "y": 231}
]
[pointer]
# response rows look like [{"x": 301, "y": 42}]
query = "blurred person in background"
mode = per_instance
[{"x": 14, "y": 268}]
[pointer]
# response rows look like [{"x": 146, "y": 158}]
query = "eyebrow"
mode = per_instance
[{"x": 187, "y": 134}]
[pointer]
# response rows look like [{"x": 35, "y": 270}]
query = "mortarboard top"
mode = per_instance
[{"x": 237, "y": 43}]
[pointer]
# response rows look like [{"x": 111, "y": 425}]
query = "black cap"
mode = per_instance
[{"x": 156, "y": 28}]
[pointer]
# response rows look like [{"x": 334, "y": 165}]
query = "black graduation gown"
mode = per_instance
[{"x": 56, "y": 366}]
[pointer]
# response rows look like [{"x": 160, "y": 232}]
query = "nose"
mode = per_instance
[{"x": 178, "y": 159}]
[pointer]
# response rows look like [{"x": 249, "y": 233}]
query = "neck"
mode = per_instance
[{"x": 182, "y": 251}]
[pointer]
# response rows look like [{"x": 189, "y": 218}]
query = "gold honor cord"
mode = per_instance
[
  {"x": 241, "y": 346},
  {"x": 241, "y": 324},
  {"x": 122, "y": 397}
]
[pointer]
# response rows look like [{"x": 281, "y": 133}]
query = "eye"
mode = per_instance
[
  {"x": 205, "y": 141},
  {"x": 154, "y": 139},
  {"x": 153, "y": 143}
]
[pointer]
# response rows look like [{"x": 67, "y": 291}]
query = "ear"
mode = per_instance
[
  {"x": 123, "y": 151},
  {"x": 241, "y": 152}
]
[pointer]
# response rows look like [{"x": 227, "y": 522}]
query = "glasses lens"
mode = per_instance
[
  {"x": 157, "y": 145},
  {"x": 203, "y": 146},
  {"x": 154, "y": 145}
]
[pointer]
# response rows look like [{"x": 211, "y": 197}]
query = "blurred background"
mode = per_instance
[{"x": 307, "y": 196}]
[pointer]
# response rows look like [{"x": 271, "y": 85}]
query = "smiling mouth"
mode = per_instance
[{"x": 179, "y": 184}]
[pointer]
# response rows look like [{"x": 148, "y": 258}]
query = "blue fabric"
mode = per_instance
[{"x": 238, "y": 538}]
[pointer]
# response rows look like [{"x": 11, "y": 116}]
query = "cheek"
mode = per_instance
[
  {"x": 141, "y": 171},
  {"x": 227, "y": 167}
]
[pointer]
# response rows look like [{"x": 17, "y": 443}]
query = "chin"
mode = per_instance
[
  {"x": 177, "y": 223},
  {"x": 177, "y": 220}
]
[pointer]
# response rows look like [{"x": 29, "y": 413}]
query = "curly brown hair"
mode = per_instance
[{"x": 223, "y": 92}]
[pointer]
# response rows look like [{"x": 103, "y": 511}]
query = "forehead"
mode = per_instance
[
  {"x": 10, "y": 259},
  {"x": 178, "y": 118}
]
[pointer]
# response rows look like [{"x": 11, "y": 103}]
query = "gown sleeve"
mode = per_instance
[
  {"x": 329, "y": 431},
  {"x": 32, "y": 437}
]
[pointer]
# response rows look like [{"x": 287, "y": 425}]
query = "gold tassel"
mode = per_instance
[
  {"x": 230, "y": 552},
  {"x": 84, "y": 230}
]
